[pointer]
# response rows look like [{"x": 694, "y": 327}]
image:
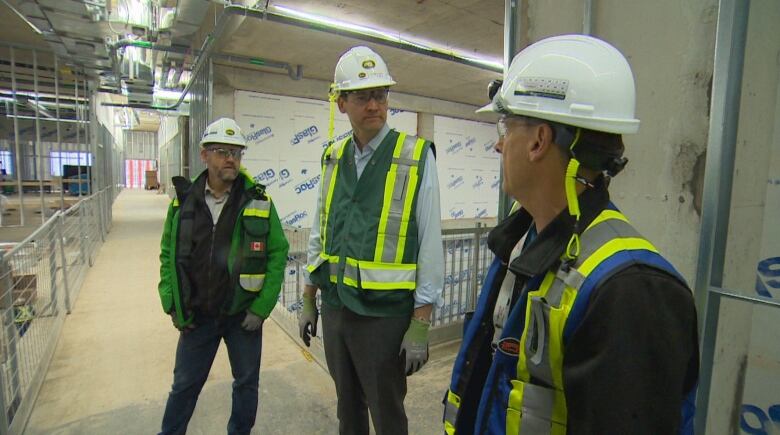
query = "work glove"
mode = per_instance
[
  {"x": 414, "y": 348},
  {"x": 183, "y": 329},
  {"x": 252, "y": 321},
  {"x": 307, "y": 323}
]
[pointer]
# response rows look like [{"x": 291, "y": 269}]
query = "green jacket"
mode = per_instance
[{"x": 258, "y": 247}]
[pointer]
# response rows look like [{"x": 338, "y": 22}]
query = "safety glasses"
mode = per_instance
[
  {"x": 502, "y": 124},
  {"x": 225, "y": 153},
  {"x": 362, "y": 98}
]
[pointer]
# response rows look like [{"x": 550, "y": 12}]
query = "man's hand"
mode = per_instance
[
  {"x": 184, "y": 329},
  {"x": 414, "y": 348},
  {"x": 252, "y": 322},
  {"x": 307, "y": 323}
]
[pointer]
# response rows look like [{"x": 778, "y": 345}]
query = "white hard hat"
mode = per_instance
[
  {"x": 361, "y": 68},
  {"x": 571, "y": 79},
  {"x": 223, "y": 130}
]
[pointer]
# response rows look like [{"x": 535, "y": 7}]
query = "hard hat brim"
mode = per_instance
[
  {"x": 203, "y": 144},
  {"x": 607, "y": 125},
  {"x": 366, "y": 85},
  {"x": 489, "y": 108}
]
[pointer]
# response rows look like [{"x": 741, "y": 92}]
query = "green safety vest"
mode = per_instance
[{"x": 368, "y": 229}]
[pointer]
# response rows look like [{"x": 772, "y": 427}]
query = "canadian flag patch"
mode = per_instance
[{"x": 257, "y": 246}]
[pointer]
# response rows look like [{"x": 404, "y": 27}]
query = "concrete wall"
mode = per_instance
[{"x": 756, "y": 139}]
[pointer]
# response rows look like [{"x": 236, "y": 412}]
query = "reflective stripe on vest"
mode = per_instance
[
  {"x": 371, "y": 275},
  {"x": 451, "y": 407},
  {"x": 537, "y": 403},
  {"x": 251, "y": 282},
  {"x": 400, "y": 186},
  {"x": 259, "y": 208},
  {"x": 330, "y": 171},
  {"x": 386, "y": 271}
]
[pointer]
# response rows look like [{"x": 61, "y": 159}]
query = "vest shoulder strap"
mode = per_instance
[
  {"x": 608, "y": 246},
  {"x": 410, "y": 151},
  {"x": 333, "y": 152}
]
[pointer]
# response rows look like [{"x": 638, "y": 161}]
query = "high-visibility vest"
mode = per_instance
[
  {"x": 368, "y": 229},
  {"x": 536, "y": 403}
]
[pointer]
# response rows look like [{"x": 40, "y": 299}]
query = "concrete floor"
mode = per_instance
[
  {"x": 113, "y": 365},
  {"x": 11, "y": 230}
]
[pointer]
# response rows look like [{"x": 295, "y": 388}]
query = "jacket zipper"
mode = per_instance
[{"x": 211, "y": 249}]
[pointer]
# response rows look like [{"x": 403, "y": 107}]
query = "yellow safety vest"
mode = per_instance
[{"x": 537, "y": 402}]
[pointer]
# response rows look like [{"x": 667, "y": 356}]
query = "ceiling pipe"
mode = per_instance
[
  {"x": 587, "y": 17},
  {"x": 286, "y": 18},
  {"x": 122, "y": 43}
]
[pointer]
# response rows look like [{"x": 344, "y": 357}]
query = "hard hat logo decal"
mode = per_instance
[
  {"x": 229, "y": 132},
  {"x": 362, "y": 75},
  {"x": 368, "y": 64}
]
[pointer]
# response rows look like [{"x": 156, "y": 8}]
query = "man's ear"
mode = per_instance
[
  {"x": 342, "y": 101},
  {"x": 542, "y": 142},
  {"x": 203, "y": 153}
]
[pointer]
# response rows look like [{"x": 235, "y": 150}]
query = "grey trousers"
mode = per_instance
[{"x": 362, "y": 355}]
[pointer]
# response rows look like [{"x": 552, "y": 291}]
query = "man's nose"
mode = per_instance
[{"x": 372, "y": 104}]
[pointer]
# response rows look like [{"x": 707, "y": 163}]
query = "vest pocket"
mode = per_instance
[
  {"x": 531, "y": 410},
  {"x": 253, "y": 253}
]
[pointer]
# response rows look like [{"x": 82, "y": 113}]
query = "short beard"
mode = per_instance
[{"x": 227, "y": 175}]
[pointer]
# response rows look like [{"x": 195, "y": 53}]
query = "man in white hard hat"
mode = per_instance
[
  {"x": 582, "y": 327},
  {"x": 223, "y": 256},
  {"x": 375, "y": 252}
]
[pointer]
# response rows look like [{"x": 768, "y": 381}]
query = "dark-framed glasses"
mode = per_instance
[
  {"x": 225, "y": 153},
  {"x": 363, "y": 97}
]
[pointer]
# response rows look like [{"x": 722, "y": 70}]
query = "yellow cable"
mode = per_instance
[
  {"x": 332, "y": 96},
  {"x": 573, "y": 203}
]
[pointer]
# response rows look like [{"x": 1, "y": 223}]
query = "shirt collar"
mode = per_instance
[
  {"x": 374, "y": 143},
  {"x": 546, "y": 248},
  {"x": 209, "y": 191}
]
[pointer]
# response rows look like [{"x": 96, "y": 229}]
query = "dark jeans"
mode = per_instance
[
  {"x": 364, "y": 362},
  {"x": 194, "y": 356}
]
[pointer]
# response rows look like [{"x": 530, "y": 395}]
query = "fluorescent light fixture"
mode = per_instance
[{"x": 387, "y": 35}]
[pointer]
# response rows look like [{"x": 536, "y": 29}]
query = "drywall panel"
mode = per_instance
[
  {"x": 287, "y": 136},
  {"x": 468, "y": 168}
]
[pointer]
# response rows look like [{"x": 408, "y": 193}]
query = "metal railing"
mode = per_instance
[
  {"x": 466, "y": 260},
  {"x": 39, "y": 281}
]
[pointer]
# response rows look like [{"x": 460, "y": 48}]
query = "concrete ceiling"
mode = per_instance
[
  {"x": 472, "y": 27},
  {"x": 15, "y": 30}
]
